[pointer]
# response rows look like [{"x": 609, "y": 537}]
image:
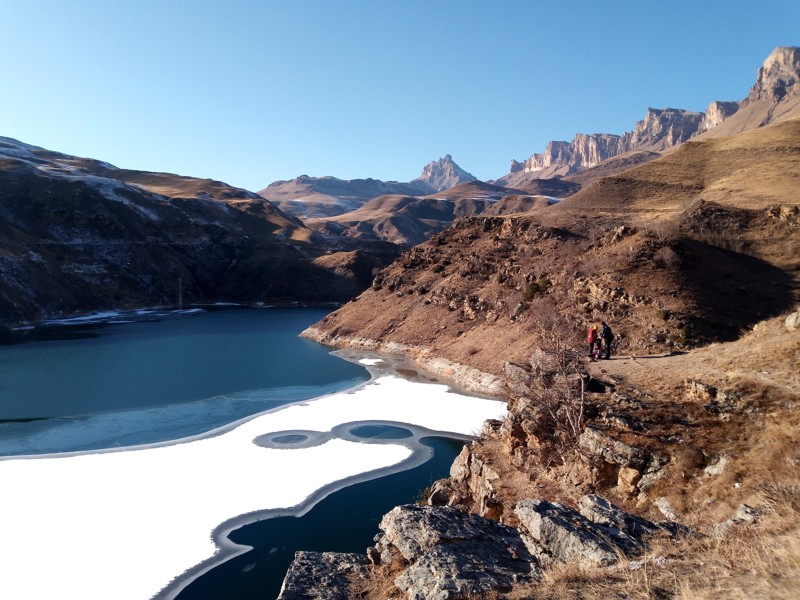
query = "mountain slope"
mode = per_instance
[
  {"x": 686, "y": 249},
  {"x": 80, "y": 235},
  {"x": 410, "y": 220}
]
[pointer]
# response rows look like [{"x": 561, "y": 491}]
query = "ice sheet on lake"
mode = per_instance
[{"x": 123, "y": 524}]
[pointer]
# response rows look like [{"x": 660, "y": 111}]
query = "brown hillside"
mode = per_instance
[
  {"x": 694, "y": 261},
  {"x": 684, "y": 250}
]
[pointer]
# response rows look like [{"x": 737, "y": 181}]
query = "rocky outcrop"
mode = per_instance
[
  {"x": 323, "y": 576},
  {"x": 442, "y": 553},
  {"x": 599, "y": 534},
  {"x": 450, "y": 553}
]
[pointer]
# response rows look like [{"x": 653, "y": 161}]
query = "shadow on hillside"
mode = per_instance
[{"x": 732, "y": 291}]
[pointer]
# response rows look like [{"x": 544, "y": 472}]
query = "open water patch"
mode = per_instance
[{"x": 256, "y": 549}]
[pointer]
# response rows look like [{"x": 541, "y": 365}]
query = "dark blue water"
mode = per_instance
[
  {"x": 345, "y": 521},
  {"x": 146, "y": 382}
]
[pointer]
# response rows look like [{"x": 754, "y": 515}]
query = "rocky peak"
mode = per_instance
[
  {"x": 779, "y": 77},
  {"x": 443, "y": 174},
  {"x": 662, "y": 128},
  {"x": 716, "y": 113}
]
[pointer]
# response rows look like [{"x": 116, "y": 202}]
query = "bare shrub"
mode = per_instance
[
  {"x": 558, "y": 387},
  {"x": 664, "y": 231}
]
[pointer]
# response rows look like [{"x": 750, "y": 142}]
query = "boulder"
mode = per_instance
[
  {"x": 557, "y": 533},
  {"x": 322, "y": 576},
  {"x": 453, "y": 554},
  {"x": 745, "y": 515},
  {"x": 602, "y": 512},
  {"x": 598, "y": 535},
  {"x": 793, "y": 321}
]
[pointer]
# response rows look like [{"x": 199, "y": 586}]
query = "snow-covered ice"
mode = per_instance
[{"x": 122, "y": 524}]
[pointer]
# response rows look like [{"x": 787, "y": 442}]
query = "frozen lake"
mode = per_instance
[{"x": 137, "y": 495}]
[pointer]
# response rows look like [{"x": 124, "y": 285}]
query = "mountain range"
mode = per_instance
[
  {"x": 408, "y": 213},
  {"x": 773, "y": 97},
  {"x": 310, "y": 197},
  {"x": 80, "y": 234}
]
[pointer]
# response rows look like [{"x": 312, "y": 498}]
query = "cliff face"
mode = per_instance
[
  {"x": 773, "y": 96},
  {"x": 659, "y": 130},
  {"x": 778, "y": 78},
  {"x": 716, "y": 113}
]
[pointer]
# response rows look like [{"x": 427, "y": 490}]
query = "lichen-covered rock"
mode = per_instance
[
  {"x": 452, "y": 554},
  {"x": 557, "y": 533},
  {"x": 323, "y": 576},
  {"x": 596, "y": 536},
  {"x": 601, "y": 511},
  {"x": 598, "y": 443}
]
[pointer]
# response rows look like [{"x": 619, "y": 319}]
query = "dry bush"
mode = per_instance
[
  {"x": 558, "y": 389},
  {"x": 665, "y": 231}
]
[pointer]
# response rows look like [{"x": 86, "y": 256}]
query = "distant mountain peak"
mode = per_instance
[{"x": 443, "y": 174}]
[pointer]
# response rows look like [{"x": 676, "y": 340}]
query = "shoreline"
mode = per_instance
[
  {"x": 377, "y": 366},
  {"x": 103, "y": 317}
]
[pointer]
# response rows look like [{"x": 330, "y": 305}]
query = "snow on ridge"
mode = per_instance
[
  {"x": 108, "y": 187},
  {"x": 17, "y": 149}
]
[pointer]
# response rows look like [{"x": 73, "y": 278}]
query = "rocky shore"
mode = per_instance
[{"x": 533, "y": 495}]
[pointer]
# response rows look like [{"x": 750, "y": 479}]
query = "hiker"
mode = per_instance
[
  {"x": 607, "y": 335},
  {"x": 593, "y": 340}
]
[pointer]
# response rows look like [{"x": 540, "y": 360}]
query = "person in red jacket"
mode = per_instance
[{"x": 593, "y": 339}]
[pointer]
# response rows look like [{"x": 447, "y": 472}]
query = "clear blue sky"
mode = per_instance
[{"x": 251, "y": 91}]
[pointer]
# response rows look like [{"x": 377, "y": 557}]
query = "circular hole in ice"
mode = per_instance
[{"x": 292, "y": 439}]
